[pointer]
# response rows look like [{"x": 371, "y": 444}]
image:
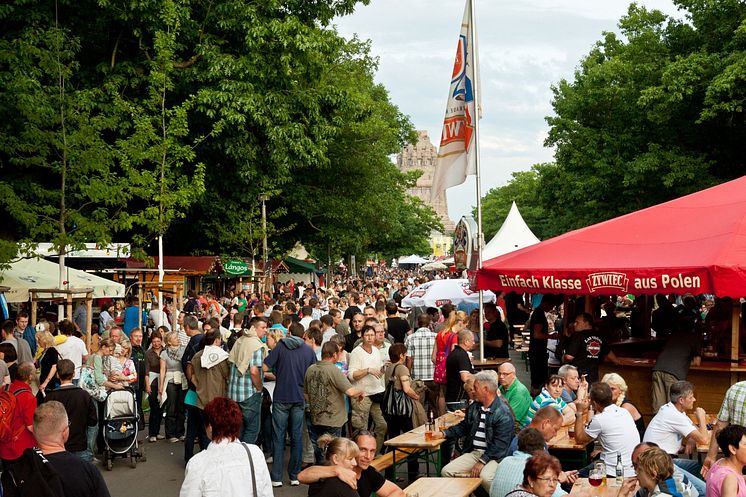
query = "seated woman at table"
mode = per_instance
[
  {"x": 338, "y": 451},
  {"x": 619, "y": 397},
  {"x": 724, "y": 479},
  {"x": 654, "y": 470},
  {"x": 540, "y": 477},
  {"x": 510, "y": 469},
  {"x": 551, "y": 395}
]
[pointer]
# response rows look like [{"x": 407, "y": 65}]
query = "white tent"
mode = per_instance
[
  {"x": 28, "y": 274},
  {"x": 412, "y": 259},
  {"x": 514, "y": 234}
]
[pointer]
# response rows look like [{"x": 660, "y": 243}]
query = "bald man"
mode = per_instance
[{"x": 513, "y": 390}]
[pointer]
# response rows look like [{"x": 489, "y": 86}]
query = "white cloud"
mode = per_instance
[{"x": 525, "y": 46}]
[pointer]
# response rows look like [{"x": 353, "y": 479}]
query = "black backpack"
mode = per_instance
[{"x": 32, "y": 476}]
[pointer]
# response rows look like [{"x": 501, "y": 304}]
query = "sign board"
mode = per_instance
[
  {"x": 465, "y": 244},
  {"x": 236, "y": 267},
  {"x": 91, "y": 250}
]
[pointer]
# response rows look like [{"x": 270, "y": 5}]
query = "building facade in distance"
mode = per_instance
[{"x": 422, "y": 156}]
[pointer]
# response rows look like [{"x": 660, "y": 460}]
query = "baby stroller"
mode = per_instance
[{"x": 120, "y": 428}]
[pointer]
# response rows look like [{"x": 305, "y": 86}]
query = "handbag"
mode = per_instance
[
  {"x": 395, "y": 402},
  {"x": 439, "y": 376},
  {"x": 251, "y": 465},
  {"x": 88, "y": 383}
]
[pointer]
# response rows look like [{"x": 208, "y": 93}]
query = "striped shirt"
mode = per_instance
[
  {"x": 543, "y": 400},
  {"x": 480, "y": 437},
  {"x": 240, "y": 386}
]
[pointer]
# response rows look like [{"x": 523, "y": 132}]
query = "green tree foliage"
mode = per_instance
[
  {"x": 185, "y": 112},
  {"x": 650, "y": 115}
]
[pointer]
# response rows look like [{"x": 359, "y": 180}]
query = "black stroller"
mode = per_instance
[{"x": 120, "y": 428}]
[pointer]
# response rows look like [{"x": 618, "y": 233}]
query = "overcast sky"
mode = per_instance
[{"x": 525, "y": 46}]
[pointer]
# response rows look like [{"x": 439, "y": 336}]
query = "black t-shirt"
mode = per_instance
[
  {"x": 46, "y": 362},
  {"x": 538, "y": 317},
  {"x": 350, "y": 340},
  {"x": 588, "y": 348},
  {"x": 351, "y": 311},
  {"x": 497, "y": 331},
  {"x": 457, "y": 361},
  {"x": 331, "y": 487},
  {"x": 516, "y": 316},
  {"x": 397, "y": 328},
  {"x": 370, "y": 481},
  {"x": 79, "y": 478},
  {"x": 82, "y": 411}
]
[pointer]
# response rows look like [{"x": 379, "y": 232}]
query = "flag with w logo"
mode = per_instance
[{"x": 455, "y": 155}]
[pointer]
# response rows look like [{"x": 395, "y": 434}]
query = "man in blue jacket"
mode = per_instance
[{"x": 489, "y": 430}]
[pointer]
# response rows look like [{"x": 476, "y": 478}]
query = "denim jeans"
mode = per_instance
[
  {"x": 91, "y": 434},
  {"x": 251, "y": 409},
  {"x": 287, "y": 418},
  {"x": 195, "y": 427},
  {"x": 315, "y": 431}
]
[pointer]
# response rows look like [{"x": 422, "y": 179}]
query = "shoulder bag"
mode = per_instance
[
  {"x": 251, "y": 465},
  {"x": 395, "y": 402}
]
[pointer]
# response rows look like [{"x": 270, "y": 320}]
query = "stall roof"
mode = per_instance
[
  {"x": 514, "y": 234},
  {"x": 202, "y": 264},
  {"x": 693, "y": 244},
  {"x": 299, "y": 266}
]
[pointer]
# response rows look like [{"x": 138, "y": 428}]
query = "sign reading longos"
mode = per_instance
[{"x": 235, "y": 267}]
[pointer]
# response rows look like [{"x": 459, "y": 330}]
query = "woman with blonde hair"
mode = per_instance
[
  {"x": 172, "y": 385},
  {"x": 47, "y": 364},
  {"x": 445, "y": 341},
  {"x": 126, "y": 365},
  {"x": 619, "y": 397},
  {"x": 338, "y": 451}
]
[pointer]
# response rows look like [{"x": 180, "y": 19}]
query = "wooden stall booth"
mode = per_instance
[
  {"x": 694, "y": 245},
  {"x": 66, "y": 297}
]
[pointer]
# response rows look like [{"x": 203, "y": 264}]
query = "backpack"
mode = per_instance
[
  {"x": 32, "y": 476},
  {"x": 7, "y": 410}
]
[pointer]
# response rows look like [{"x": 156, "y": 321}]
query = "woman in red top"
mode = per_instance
[
  {"x": 446, "y": 339},
  {"x": 22, "y": 425}
]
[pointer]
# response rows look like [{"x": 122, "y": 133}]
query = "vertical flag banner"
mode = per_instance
[{"x": 455, "y": 155}]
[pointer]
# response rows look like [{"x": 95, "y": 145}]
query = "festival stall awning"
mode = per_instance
[
  {"x": 693, "y": 244},
  {"x": 28, "y": 274}
]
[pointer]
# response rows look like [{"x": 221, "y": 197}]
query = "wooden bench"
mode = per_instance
[{"x": 385, "y": 461}]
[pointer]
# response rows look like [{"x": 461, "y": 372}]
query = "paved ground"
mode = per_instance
[{"x": 163, "y": 471}]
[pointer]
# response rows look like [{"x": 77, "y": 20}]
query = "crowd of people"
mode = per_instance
[{"x": 311, "y": 370}]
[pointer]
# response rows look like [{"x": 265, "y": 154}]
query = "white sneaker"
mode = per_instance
[
  {"x": 173, "y": 440},
  {"x": 160, "y": 437},
  {"x": 152, "y": 439},
  {"x": 276, "y": 483},
  {"x": 270, "y": 460},
  {"x": 294, "y": 483}
]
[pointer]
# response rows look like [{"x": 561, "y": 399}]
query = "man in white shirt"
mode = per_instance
[
  {"x": 307, "y": 312},
  {"x": 612, "y": 426},
  {"x": 365, "y": 373},
  {"x": 327, "y": 328},
  {"x": 671, "y": 425},
  {"x": 72, "y": 348}
]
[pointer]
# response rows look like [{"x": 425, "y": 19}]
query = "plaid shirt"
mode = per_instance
[
  {"x": 733, "y": 409},
  {"x": 240, "y": 386},
  {"x": 420, "y": 348}
]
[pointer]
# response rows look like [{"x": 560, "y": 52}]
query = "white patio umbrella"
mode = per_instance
[
  {"x": 434, "y": 266},
  {"x": 439, "y": 292}
]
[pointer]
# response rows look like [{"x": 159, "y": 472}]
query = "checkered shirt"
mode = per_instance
[
  {"x": 240, "y": 386},
  {"x": 420, "y": 348},
  {"x": 733, "y": 409}
]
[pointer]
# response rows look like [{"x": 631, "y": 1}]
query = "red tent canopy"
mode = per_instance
[{"x": 694, "y": 244}]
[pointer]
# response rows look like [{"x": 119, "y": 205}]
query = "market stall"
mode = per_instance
[{"x": 694, "y": 244}]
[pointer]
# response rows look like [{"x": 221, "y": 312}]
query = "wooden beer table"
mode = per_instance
[
  {"x": 482, "y": 364},
  {"x": 441, "y": 487},
  {"x": 582, "y": 488},
  {"x": 567, "y": 449}
]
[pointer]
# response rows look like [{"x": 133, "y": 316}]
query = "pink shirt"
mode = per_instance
[{"x": 716, "y": 476}]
